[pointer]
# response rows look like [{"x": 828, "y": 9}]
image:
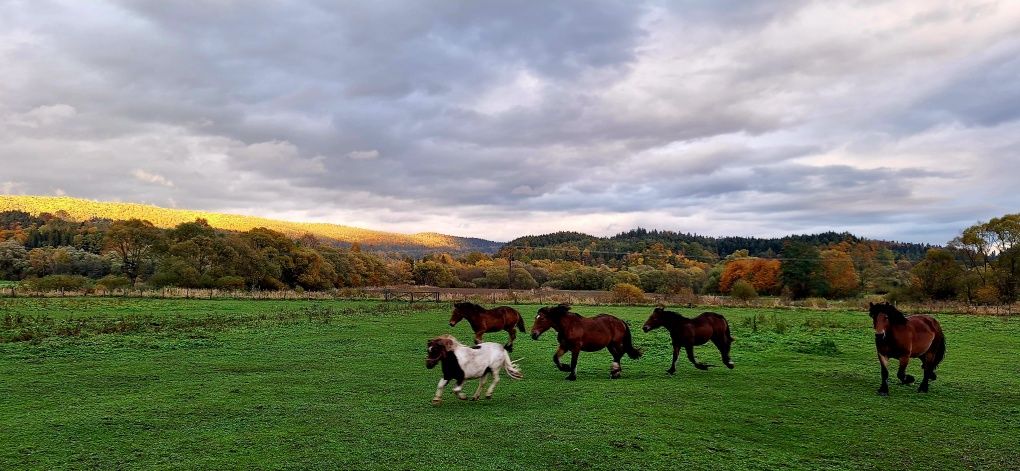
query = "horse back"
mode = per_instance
[
  {"x": 710, "y": 325},
  {"x": 498, "y": 318},
  {"x": 913, "y": 338},
  {"x": 594, "y": 333},
  {"x": 614, "y": 327},
  {"x": 507, "y": 315},
  {"x": 924, "y": 322}
]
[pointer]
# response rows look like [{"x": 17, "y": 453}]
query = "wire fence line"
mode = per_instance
[{"x": 541, "y": 296}]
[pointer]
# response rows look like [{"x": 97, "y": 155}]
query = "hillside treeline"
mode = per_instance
[
  {"x": 61, "y": 253},
  {"x": 981, "y": 265},
  {"x": 77, "y": 209}
]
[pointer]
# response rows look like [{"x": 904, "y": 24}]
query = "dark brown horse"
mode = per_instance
[
  {"x": 489, "y": 320},
  {"x": 688, "y": 333},
  {"x": 905, "y": 337},
  {"x": 576, "y": 334}
]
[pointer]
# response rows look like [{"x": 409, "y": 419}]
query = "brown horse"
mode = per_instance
[
  {"x": 905, "y": 337},
  {"x": 489, "y": 320},
  {"x": 576, "y": 334},
  {"x": 688, "y": 333}
]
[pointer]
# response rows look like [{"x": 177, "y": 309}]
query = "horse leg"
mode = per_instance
[
  {"x": 438, "y": 398},
  {"x": 724, "y": 350},
  {"x": 478, "y": 336},
  {"x": 902, "y": 372},
  {"x": 492, "y": 386},
  {"x": 459, "y": 390},
  {"x": 883, "y": 360},
  {"x": 513, "y": 336},
  {"x": 574, "y": 353},
  {"x": 481, "y": 383},
  {"x": 929, "y": 371},
  {"x": 556, "y": 359},
  {"x": 690, "y": 356},
  {"x": 617, "y": 352},
  {"x": 676, "y": 353}
]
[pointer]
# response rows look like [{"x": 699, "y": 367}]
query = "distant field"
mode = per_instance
[{"x": 342, "y": 385}]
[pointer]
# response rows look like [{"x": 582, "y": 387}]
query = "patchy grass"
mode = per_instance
[{"x": 128, "y": 383}]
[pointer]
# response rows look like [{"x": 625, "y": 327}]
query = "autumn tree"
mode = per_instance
[
  {"x": 762, "y": 274},
  {"x": 13, "y": 260},
  {"x": 840, "y": 276},
  {"x": 132, "y": 240},
  {"x": 936, "y": 276},
  {"x": 801, "y": 269}
]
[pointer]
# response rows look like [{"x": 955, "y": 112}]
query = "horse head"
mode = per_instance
[
  {"x": 655, "y": 320},
  {"x": 437, "y": 349},
  {"x": 462, "y": 310},
  {"x": 548, "y": 317},
  {"x": 884, "y": 315}
]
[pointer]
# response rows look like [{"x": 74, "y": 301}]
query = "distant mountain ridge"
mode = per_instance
[{"x": 83, "y": 209}]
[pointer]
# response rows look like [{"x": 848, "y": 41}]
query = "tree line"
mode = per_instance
[{"x": 980, "y": 265}]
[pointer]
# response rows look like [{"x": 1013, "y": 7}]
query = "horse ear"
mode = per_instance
[{"x": 871, "y": 304}]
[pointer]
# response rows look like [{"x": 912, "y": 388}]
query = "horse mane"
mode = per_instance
[
  {"x": 661, "y": 310},
  {"x": 450, "y": 342},
  {"x": 468, "y": 305},
  {"x": 895, "y": 315},
  {"x": 558, "y": 311}
]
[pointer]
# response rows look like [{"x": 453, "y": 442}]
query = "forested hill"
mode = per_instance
[
  {"x": 81, "y": 210},
  {"x": 694, "y": 245}
]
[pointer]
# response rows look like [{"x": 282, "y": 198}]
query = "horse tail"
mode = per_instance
[
  {"x": 628, "y": 344},
  {"x": 938, "y": 347},
  {"x": 511, "y": 367},
  {"x": 520, "y": 323}
]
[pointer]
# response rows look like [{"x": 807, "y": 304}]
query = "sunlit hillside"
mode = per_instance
[{"x": 82, "y": 209}]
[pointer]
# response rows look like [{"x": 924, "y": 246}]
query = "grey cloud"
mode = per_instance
[{"x": 469, "y": 114}]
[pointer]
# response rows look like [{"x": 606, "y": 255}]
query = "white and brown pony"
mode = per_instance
[{"x": 461, "y": 362}]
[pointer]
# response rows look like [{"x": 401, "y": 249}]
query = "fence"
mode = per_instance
[{"x": 416, "y": 294}]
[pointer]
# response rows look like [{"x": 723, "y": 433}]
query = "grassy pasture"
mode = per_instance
[{"x": 187, "y": 384}]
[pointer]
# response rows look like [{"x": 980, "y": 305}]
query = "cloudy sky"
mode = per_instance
[{"x": 496, "y": 119}]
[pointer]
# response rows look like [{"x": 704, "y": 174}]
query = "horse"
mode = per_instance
[
  {"x": 576, "y": 333},
  {"x": 460, "y": 362},
  {"x": 489, "y": 320},
  {"x": 906, "y": 337},
  {"x": 688, "y": 333}
]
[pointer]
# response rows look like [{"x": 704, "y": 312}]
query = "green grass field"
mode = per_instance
[{"x": 188, "y": 384}]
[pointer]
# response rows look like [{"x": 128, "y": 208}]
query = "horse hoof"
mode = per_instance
[
  {"x": 671, "y": 372},
  {"x": 883, "y": 393},
  {"x": 571, "y": 378},
  {"x": 701, "y": 366},
  {"x": 437, "y": 402},
  {"x": 474, "y": 398},
  {"x": 922, "y": 390},
  {"x": 489, "y": 397},
  {"x": 509, "y": 348},
  {"x": 907, "y": 379},
  {"x": 614, "y": 375},
  {"x": 463, "y": 398},
  {"x": 729, "y": 365},
  {"x": 563, "y": 368}
]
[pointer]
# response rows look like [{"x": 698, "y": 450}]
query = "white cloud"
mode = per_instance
[
  {"x": 149, "y": 177},
  {"x": 363, "y": 154}
]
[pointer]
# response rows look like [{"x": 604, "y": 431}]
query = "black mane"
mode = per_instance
[
  {"x": 468, "y": 305},
  {"x": 895, "y": 315},
  {"x": 558, "y": 311}
]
